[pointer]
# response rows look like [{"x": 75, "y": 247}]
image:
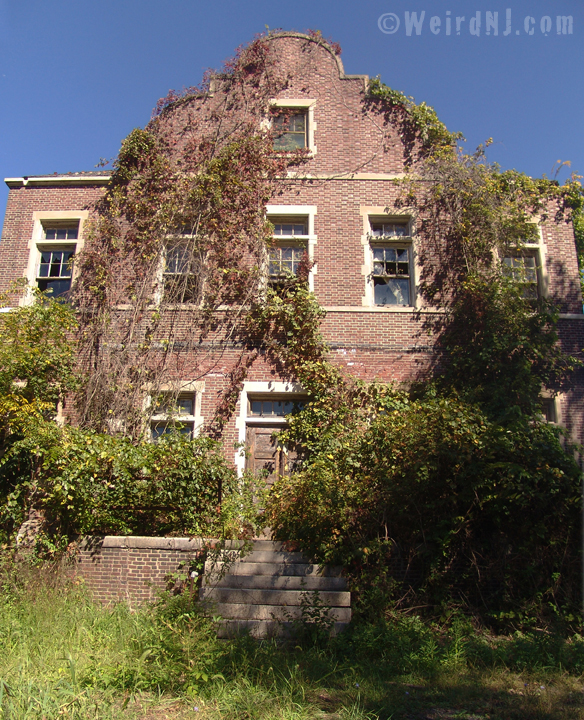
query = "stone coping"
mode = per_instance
[{"x": 183, "y": 544}]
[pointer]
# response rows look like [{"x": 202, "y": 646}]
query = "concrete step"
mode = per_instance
[
  {"x": 268, "y": 545},
  {"x": 270, "y": 556},
  {"x": 264, "y": 628},
  {"x": 259, "y": 556},
  {"x": 276, "y": 582},
  {"x": 267, "y": 568},
  {"x": 286, "y": 598},
  {"x": 236, "y": 611},
  {"x": 261, "y": 589}
]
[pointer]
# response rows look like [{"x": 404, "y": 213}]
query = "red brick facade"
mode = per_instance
[{"x": 345, "y": 185}]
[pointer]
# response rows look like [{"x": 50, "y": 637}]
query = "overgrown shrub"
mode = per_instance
[
  {"x": 428, "y": 502},
  {"x": 85, "y": 482}
]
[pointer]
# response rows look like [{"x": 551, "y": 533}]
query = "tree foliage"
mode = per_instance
[
  {"x": 500, "y": 350},
  {"x": 89, "y": 483},
  {"x": 37, "y": 364}
]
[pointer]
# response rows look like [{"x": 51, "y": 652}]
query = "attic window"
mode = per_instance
[{"x": 289, "y": 129}]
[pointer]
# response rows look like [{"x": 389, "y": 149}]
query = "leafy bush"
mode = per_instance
[
  {"x": 429, "y": 502},
  {"x": 85, "y": 482},
  {"x": 73, "y": 480}
]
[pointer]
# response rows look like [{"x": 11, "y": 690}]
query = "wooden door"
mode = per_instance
[{"x": 264, "y": 455}]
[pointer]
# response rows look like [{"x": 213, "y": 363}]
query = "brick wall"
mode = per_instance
[
  {"x": 352, "y": 169},
  {"x": 131, "y": 569}
]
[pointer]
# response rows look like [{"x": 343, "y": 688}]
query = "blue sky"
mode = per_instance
[{"x": 77, "y": 75}]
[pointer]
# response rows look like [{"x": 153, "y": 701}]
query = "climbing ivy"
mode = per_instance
[{"x": 173, "y": 262}]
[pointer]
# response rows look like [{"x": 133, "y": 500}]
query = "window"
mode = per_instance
[
  {"x": 56, "y": 252},
  {"x": 173, "y": 415},
  {"x": 289, "y": 130},
  {"x": 522, "y": 267},
  {"x": 271, "y": 408},
  {"x": 291, "y": 238},
  {"x": 391, "y": 275},
  {"x": 293, "y": 125},
  {"x": 548, "y": 409},
  {"x": 183, "y": 271}
]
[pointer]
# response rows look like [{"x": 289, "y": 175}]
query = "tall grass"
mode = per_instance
[{"x": 62, "y": 656}]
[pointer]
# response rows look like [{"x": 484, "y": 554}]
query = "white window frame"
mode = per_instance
[
  {"x": 307, "y": 212},
  {"x": 38, "y": 243},
  {"x": 180, "y": 389},
  {"x": 373, "y": 215},
  {"x": 305, "y": 105}
]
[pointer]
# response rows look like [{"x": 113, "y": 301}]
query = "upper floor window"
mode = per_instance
[
  {"x": 183, "y": 271},
  {"x": 289, "y": 129},
  {"x": 391, "y": 262},
  {"x": 290, "y": 247},
  {"x": 55, "y": 263},
  {"x": 522, "y": 267}
]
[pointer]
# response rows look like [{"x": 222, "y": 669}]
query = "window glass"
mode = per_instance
[
  {"x": 181, "y": 406},
  {"x": 54, "y": 273},
  {"x": 290, "y": 229},
  {"x": 182, "y": 274},
  {"x": 285, "y": 261},
  {"x": 523, "y": 270},
  {"x": 289, "y": 129},
  {"x": 391, "y": 275},
  {"x": 548, "y": 410},
  {"x": 177, "y": 260},
  {"x": 55, "y": 264},
  {"x": 160, "y": 428},
  {"x": 395, "y": 229},
  {"x": 274, "y": 408},
  {"x": 172, "y": 414},
  {"x": 61, "y": 233}
]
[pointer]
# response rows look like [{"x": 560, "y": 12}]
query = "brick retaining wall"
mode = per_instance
[{"x": 131, "y": 569}]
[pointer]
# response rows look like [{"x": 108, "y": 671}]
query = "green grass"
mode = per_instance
[{"x": 61, "y": 656}]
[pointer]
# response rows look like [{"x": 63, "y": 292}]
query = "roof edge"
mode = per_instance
[{"x": 57, "y": 180}]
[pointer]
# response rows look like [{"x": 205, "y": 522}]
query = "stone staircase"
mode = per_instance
[{"x": 262, "y": 592}]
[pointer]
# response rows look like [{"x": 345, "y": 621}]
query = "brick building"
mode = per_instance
[{"x": 365, "y": 272}]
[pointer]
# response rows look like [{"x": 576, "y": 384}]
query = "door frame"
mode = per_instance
[{"x": 264, "y": 390}]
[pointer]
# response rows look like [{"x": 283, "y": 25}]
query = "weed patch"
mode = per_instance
[{"x": 61, "y": 655}]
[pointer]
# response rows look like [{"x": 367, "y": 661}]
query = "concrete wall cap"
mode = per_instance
[{"x": 143, "y": 543}]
